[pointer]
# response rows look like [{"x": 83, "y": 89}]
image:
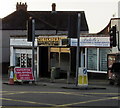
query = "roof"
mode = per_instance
[
  {"x": 18, "y": 21},
  {"x": 44, "y": 20}
]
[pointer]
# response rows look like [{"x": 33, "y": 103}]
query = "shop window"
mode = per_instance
[
  {"x": 64, "y": 61},
  {"x": 103, "y": 58},
  {"x": 92, "y": 59},
  {"x": 54, "y": 57},
  {"x": 23, "y": 60},
  {"x": 17, "y": 60},
  {"x": 29, "y": 60}
]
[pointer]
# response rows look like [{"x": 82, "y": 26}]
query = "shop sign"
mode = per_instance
[
  {"x": 92, "y": 42},
  {"x": 50, "y": 41},
  {"x": 24, "y": 74}
]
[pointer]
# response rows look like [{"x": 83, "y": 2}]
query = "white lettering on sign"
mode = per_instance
[{"x": 24, "y": 73}]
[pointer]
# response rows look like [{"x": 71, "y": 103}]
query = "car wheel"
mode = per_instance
[
  {"x": 111, "y": 82},
  {"x": 117, "y": 79}
]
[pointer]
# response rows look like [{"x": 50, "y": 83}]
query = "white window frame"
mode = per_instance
[{"x": 98, "y": 61}]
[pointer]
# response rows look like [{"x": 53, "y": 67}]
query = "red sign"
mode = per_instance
[{"x": 24, "y": 73}]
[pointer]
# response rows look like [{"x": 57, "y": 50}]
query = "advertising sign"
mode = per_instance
[
  {"x": 50, "y": 40},
  {"x": 91, "y": 41},
  {"x": 73, "y": 42},
  {"x": 95, "y": 41},
  {"x": 24, "y": 74}
]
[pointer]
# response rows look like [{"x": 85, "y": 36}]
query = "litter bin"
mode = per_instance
[
  {"x": 55, "y": 73},
  {"x": 52, "y": 74}
]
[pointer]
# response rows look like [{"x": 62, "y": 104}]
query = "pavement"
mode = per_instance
[{"x": 63, "y": 83}]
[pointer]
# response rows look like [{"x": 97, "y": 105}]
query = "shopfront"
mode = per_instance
[
  {"x": 53, "y": 54},
  {"x": 96, "y": 49},
  {"x": 97, "y": 59},
  {"x": 21, "y": 52},
  {"x": 93, "y": 54}
]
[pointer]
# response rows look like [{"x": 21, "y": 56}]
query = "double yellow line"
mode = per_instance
[{"x": 65, "y": 93}]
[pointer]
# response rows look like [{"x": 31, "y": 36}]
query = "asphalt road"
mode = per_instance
[{"x": 45, "y": 94}]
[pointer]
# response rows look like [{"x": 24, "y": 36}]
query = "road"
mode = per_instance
[{"x": 46, "y": 94}]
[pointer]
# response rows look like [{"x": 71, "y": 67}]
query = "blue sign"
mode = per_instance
[{"x": 84, "y": 71}]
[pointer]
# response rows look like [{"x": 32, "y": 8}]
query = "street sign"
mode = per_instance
[
  {"x": 85, "y": 71},
  {"x": 82, "y": 77},
  {"x": 24, "y": 74}
]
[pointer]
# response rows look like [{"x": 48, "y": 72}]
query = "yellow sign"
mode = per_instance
[
  {"x": 82, "y": 77},
  {"x": 49, "y": 41}
]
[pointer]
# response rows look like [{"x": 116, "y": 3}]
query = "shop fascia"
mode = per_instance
[
  {"x": 50, "y": 40},
  {"x": 85, "y": 41}
]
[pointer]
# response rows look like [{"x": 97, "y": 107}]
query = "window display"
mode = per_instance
[
  {"x": 103, "y": 58},
  {"x": 92, "y": 58},
  {"x": 23, "y": 58}
]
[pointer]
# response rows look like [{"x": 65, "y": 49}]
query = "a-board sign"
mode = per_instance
[{"x": 24, "y": 74}]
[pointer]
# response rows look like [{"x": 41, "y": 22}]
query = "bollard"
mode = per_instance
[
  {"x": 82, "y": 77},
  {"x": 53, "y": 74}
]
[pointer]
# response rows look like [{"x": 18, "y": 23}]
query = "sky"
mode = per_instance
[{"x": 98, "y": 12}]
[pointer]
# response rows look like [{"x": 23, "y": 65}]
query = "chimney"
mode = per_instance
[
  {"x": 21, "y": 6},
  {"x": 53, "y": 7}
]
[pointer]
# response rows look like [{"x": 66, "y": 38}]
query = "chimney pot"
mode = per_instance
[
  {"x": 53, "y": 7},
  {"x": 21, "y": 6}
]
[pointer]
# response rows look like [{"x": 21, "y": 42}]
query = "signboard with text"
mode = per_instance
[
  {"x": 24, "y": 74},
  {"x": 50, "y": 40},
  {"x": 91, "y": 42}
]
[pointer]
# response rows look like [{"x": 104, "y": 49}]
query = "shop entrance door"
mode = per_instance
[
  {"x": 60, "y": 58},
  {"x": 43, "y": 62}
]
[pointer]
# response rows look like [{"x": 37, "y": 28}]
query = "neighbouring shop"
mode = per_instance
[
  {"x": 97, "y": 59},
  {"x": 21, "y": 52}
]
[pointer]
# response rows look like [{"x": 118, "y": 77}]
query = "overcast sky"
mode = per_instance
[{"x": 98, "y": 12}]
